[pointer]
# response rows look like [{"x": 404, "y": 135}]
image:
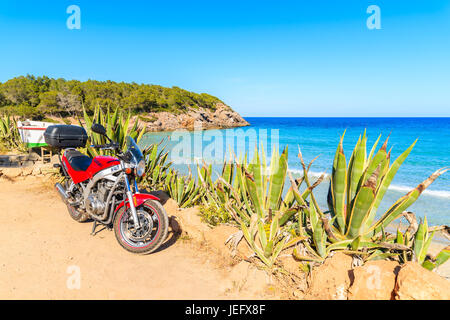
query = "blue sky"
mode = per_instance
[{"x": 263, "y": 58}]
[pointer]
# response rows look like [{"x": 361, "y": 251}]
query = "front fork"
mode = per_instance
[{"x": 137, "y": 224}]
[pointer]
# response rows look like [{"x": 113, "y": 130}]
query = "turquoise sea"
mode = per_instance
[{"x": 320, "y": 137}]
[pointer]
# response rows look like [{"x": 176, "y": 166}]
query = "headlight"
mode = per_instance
[{"x": 140, "y": 168}]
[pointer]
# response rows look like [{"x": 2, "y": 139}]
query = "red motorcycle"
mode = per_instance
[{"x": 105, "y": 190}]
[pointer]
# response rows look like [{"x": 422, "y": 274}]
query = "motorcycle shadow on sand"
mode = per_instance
[{"x": 174, "y": 226}]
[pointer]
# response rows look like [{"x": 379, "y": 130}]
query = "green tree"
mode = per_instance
[
  {"x": 49, "y": 103},
  {"x": 38, "y": 96}
]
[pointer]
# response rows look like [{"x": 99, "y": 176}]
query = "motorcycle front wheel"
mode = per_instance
[{"x": 153, "y": 229}]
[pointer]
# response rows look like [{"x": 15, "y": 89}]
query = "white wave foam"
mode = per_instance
[
  {"x": 434, "y": 193},
  {"x": 311, "y": 173},
  {"x": 400, "y": 188}
]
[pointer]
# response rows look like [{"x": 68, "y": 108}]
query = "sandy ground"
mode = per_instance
[{"x": 42, "y": 249}]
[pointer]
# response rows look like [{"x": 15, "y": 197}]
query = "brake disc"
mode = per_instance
[{"x": 145, "y": 229}]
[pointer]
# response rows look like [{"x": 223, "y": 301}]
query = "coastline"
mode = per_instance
[{"x": 222, "y": 117}]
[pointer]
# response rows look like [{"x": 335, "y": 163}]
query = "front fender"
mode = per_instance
[{"x": 138, "y": 198}]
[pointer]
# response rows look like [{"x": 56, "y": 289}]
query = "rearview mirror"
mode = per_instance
[{"x": 98, "y": 128}]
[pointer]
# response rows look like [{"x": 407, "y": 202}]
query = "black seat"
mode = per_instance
[{"x": 77, "y": 160}]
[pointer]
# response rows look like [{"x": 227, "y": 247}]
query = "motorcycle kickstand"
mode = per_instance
[{"x": 94, "y": 226}]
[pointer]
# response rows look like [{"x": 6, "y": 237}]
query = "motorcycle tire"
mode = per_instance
[
  {"x": 77, "y": 215},
  {"x": 154, "y": 236}
]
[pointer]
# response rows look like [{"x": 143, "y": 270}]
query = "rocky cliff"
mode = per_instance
[{"x": 219, "y": 118}]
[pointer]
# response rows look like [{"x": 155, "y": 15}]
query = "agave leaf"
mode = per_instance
[
  {"x": 404, "y": 202},
  {"x": 376, "y": 255},
  {"x": 373, "y": 148},
  {"x": 420, "y": 240},
  {"x": 289, "y": 198},
  {"x": 340, "y": 245},
  {"x": 306, "y": 178},
  {"x": 319, "y": 239},
  {"x": 262, "y": 234},
  {"x": 313, "y": 216},
  {"x": 378, "y": 161},
  {"x": 387, "y": 179},
  {"x": 427, "y": 245},
  {"x": 338, "y": 186},
  {"x": 109, "y": 124},
  {"x": 355, "y": 244},
  {"x": 295, "y": 240},
  {"x": 278, "y": 248},
  {"x": 300, "y": 257},
  {"x": 140, "y": 135},
  {"x": 294, "y": 187},
  {"x": 278, "y": 169},
  {"x": 442, "y": 256},
  {"x": 252, "y": 190},
  {"x": 249, "y": 236},
  {"x": 287, "y": 214},
  {"x": 255, "y": 169},
  {"x": 268, "y": 249},
  {"x": 399, "y": 238},
  {"x": 264, "y": 171},
  {"x": 362, "y": 204},
  {"x": 274, "y": 226},
  {"x": 87, "y": 120},
  {"x": 427, "y": 264},
  {"x": 243, "y": 187},
  {"x": 355, "y": 171},
  {"x": 381, "y": 256},
  {"x": 227, "y": 172},
  {"x": 310, "y": 188}
]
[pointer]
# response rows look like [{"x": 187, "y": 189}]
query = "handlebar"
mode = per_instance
[{"x": 110, "y": 146}]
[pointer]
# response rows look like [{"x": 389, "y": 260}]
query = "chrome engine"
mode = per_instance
[
  {"x": 96, "y": 201},
  {"x": 94, "y": 205}
]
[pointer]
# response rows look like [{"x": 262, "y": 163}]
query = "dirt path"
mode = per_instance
[{"x": 42, "y": 248}]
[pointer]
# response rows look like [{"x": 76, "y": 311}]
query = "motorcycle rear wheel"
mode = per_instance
[
  {"x": 154, "y": 222},
  {"x": 77, "y": 215},
  {"x": 73, "y": 212}
]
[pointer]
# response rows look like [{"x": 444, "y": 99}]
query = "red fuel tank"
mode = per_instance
[{"x": 97, "y": 164}]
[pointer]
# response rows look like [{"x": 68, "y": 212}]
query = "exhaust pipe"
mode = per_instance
[{"x": 62, "y": 193}]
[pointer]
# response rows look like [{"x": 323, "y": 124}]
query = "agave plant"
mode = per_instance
[
  {"x": 255, "y": 199},
  {"x": 355, "y": 193},
  {"x": 217, "y": 195},
  {"x": 422, "y": 241},
  {"x": 117, "y": 126},
  {"x": 9, "y": 134},
  {"x": 183, "y": 189},
  {"x": 356, "y": 190},
  {"x": 157, "y": 167},
  {"x": 440, "y": 259},
  {"x": 418, "y": 240}
]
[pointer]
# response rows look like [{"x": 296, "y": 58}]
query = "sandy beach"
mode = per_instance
[{"x": 41, "y": 244}]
